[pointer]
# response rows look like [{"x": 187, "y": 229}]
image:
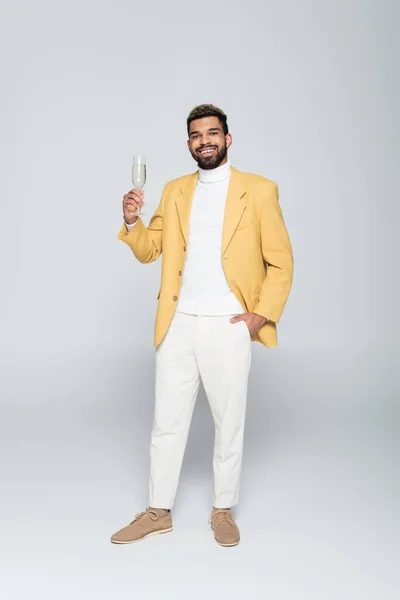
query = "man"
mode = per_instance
[{"x": 226, "y": 275}]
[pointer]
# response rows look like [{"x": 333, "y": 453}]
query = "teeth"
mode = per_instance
[{"x": 207, "y": 151}]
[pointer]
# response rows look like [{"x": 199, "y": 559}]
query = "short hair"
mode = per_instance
[{"x": 208, "y": 110}]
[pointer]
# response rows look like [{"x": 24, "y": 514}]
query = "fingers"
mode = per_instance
[
  {"x": 134, "y": 196},
  {"x": 237, "y": 318},
  {"x": 241, "y": 317},
  {"x": 132, "y": 202},
  {"x": 130, "y": 207},
  {"x": 135, "y": 192}
]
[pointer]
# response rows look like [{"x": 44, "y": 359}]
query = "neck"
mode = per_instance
[{"x": 213, "y": 175}]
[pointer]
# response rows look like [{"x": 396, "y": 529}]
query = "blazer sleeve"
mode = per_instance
[
  {"x": 278, "y": 256},
  {"x": 146, "y": 242}
]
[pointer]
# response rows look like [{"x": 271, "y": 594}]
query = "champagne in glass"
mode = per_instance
[{"x": 138, "y": 176}]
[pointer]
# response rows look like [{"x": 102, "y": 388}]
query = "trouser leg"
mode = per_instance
[
  {"x": 224, "y": 359},
  {"x": 176, "y": 389}
]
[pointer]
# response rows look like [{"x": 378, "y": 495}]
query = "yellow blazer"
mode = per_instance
[{"x": 256, "y": 255}]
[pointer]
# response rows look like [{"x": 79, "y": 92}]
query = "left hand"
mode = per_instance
[{"x": 253, "y": 321}]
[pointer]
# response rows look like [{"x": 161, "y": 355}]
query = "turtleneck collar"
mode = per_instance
[{"x": 213, "y": 175}]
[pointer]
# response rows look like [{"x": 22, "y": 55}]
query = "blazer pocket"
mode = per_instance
[{"x": 247, "y": 330}]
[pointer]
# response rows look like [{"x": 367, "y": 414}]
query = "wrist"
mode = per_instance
[{"x": 264, "y": 319}]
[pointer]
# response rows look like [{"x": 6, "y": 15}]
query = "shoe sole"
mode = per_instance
[
  {"x": 227, "y": 545},
  {"x": 142, "y": 538}
]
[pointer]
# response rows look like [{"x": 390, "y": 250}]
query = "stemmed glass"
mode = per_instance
[{"x": 138, "y": 177}]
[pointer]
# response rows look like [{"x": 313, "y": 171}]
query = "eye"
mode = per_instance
[{"x": 213, "y": 133}]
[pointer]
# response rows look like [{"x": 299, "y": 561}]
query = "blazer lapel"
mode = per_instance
[
  {"x": 234, "y": 206},
  {"x": 184, "y": 203}
]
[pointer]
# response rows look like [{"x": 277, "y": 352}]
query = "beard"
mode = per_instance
[{"x": 211, "y": 162}]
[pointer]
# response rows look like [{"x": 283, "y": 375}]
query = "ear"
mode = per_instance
[{"x": 228, "y": 139}]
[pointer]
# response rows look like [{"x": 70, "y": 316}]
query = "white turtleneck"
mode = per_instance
[{"x": 204, "y": 289}]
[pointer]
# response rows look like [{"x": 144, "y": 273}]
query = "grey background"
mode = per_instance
[{"x": 311, "y": 91}]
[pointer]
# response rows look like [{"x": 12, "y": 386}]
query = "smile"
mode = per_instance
[{"x": 208, "y": 151}]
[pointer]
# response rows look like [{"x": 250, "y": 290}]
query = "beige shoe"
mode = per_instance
[
  {"x": 144, "y": 525},
  {"x": 226, "y": 531}
]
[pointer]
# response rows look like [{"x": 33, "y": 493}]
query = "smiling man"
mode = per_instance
[{"x": 227, "y": 271}]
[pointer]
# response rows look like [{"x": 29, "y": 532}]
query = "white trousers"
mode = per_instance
[{"x": 218, "y": 352}]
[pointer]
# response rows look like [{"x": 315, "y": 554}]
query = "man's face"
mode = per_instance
[{"x": 207, "y": 143}]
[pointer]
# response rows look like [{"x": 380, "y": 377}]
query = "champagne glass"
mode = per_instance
[{"x": 138, "y": 177}]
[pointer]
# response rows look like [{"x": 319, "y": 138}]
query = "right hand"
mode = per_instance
[{"x": 132, "y": 202}]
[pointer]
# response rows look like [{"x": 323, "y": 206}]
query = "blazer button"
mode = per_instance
[
  {"x": 175, "y": 298},
  {"x": 179, "y": 272},
  {"x": 184, "y": 248}
]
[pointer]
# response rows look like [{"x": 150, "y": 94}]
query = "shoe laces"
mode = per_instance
[
  {"x": 147, "y": 513},
  {"x": 222, "y": 516}
]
